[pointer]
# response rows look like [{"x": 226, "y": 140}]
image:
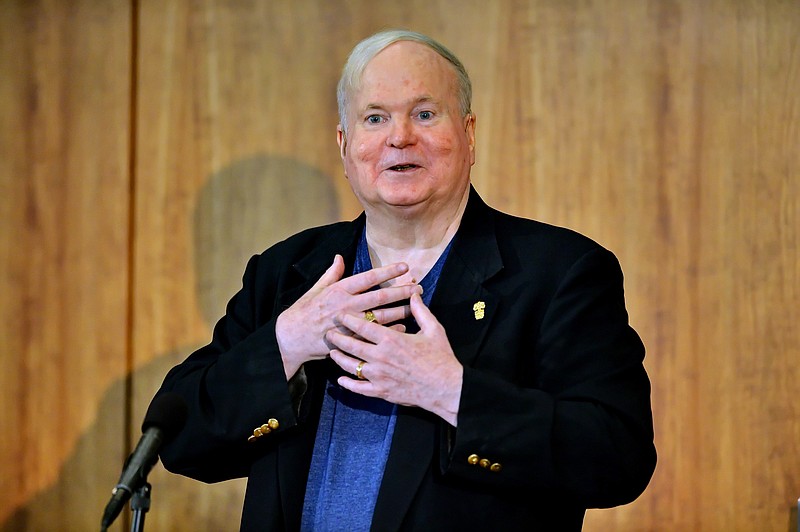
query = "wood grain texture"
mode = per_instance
[
  {"x": 230, "y": 106},
  {"x": 668, "y": 130},
  {"x": 64, "y": 110}
]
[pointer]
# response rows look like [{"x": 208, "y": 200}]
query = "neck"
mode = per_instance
[{"x": 415, "y": 240}]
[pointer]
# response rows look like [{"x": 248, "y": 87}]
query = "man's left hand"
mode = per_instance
[{"x": 408, "y": 369}]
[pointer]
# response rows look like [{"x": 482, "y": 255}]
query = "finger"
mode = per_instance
[
  {"x": 397, "y": 327},
  {"x": 361, "y": 387},
  {"x": 388, "y": 295},
  {"x": 345, "y": 361},
  {"x": 333, "y": 273},
  {"x": 422, "y": 314},
  {"x": 354, "y": 346},
  {"x": 368, "y": 331},
  {"x": 388, "y": 315},
  {"x": 363, "y": 281}
]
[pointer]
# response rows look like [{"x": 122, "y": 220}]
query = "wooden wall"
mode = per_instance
[
  {"x": 65, "y": 94},
  {"x": 148, "y": 148}
]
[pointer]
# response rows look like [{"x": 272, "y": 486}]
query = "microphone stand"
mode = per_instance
[{"x": 140, "y": 504}]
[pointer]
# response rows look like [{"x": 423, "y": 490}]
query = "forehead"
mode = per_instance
[{"x": 406, "y": 70}]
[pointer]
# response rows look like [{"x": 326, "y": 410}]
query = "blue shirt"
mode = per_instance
[{"x": 353, "y": 441}]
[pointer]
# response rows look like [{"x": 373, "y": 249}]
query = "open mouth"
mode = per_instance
[{"x": 403, "y": 167}]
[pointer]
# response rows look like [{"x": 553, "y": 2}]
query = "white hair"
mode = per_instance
[{"x": 367, "y": 49}]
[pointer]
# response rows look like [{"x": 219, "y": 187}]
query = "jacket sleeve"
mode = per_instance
[
  {"x": 575, "y": 419},
  {"x": 231, "y": 386}
]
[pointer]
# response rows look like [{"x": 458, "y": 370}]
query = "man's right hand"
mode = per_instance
[{"x": 300, "y": 329}]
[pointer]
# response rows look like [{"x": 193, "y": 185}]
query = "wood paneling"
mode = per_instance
[
  {"x": 668, "y": 130},
  {"x": 234, "y": 111},
  {"x": 64, "y": 110}
]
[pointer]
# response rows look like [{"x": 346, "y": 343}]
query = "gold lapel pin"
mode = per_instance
[{"x": 478, "y": 309}]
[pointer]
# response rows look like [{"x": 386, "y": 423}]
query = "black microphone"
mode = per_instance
[{"x": 165, "y": 417}]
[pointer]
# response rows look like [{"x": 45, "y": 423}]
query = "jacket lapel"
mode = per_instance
[
  {"x": 296, "y": 451},
  {"x": 465, "y": 308},
  {"x": 462, "y": 303},
  {"x": 311, "y": 267}
]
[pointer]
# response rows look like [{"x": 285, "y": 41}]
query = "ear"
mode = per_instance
[
  {"x": 469, "y": 126},
  {"x": 341, "y": 140}
]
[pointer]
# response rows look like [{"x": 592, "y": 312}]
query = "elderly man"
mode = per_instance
[{"x": 432, "y": 365}]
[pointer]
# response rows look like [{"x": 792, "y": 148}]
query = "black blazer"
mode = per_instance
[{"x": 555, "y": 410}]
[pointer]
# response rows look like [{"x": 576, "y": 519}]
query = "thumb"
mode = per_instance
[
  {"x": 333, "y": 273},
  {"x": 422, "y": 314}
]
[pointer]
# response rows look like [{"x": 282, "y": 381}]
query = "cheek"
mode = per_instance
[
  {"x": 359, "y": 160},
  {"x": 367, "y": 148},
  {"x": 443, "y": 147},
  {"x": 362, "y": 152}
]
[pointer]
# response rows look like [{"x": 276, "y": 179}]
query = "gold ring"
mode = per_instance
[
  {"x": 370, "y": 316},
  {"x": 358, "y": 370}
]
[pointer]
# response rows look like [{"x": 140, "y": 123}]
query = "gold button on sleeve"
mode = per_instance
[
  {"x": 484, "y": 463},
  {"x": 495, "y": 467},
  {"x": 257, "y": 433},
  {"x": 473, "y": 459},
  {"x": 265, "y": 429},
  {"x": 273, "y": 424},
  {"x": 251, "y": 439}
]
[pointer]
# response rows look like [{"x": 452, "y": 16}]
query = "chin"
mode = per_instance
[
  {"x": 399, "y": 194},
  {"x": 403, "y": 199}
]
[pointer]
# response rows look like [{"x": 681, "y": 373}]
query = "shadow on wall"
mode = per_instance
[
  {"x": 241, "y": 210},
  {"x": 246, "y": 207}
]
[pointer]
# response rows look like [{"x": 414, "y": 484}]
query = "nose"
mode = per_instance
[{"x": 401, "y": 133}]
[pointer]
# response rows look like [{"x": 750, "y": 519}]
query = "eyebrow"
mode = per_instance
[{"x": 413, "y": 103}]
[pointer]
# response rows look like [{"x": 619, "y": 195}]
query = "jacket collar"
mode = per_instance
[
  {"x": 475, "y": 248},
  {"x": 343, "y": 240}
]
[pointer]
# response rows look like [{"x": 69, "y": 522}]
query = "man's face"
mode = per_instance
[{"x": 408, "y": 146}]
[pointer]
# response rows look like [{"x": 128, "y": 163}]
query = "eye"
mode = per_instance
[
  {"x": 425, "y": 115},
  {"x": 374, "y": 119}
]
